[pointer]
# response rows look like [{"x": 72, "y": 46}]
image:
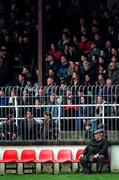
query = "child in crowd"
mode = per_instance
[{"x": 88, "y": 130}]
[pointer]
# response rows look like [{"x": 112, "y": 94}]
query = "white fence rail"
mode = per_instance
[{"x": 56, "y": 113}]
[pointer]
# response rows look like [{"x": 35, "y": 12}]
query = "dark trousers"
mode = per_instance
[{"x": 87, "y": 160}]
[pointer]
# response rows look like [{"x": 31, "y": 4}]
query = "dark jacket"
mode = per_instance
[
  {"x": 94, "y": 147},
  {"x": 28, "y": 130},
  {"x": 8, "y": 129}
]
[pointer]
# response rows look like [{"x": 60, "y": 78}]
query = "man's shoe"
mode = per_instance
[
  {"x": 100, "y": 172},
  {"x": 87, "y": 172}
]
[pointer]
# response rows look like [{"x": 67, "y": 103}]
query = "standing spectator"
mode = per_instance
[
  {"x": 93, "y": 51},
  {"x": 108, "y": 47},
  {"x": 24, "y": 100},
  {"x": 83, "y": 113},
  {"x": 4, "y": 100},
  {"x": 113, "y": 73},
  {"x": 3, "y": 71},
  {"x": 54, "y": 108},
  {"x": 65, "y": 40},
  {"x": 21, "y": 81},
  {"x": 98, "y": 112},
  {"x": 9, "y": 129},
  {"x": 88, "y": 130},
  {"x": 63, "y": 68},
  {"x": 47, "y": 130},
  {"x": 51, "y": 63},
  {"x": 41, "y": 99},
  {"x": 70, "y": 112},
  {"x": 87, "y": 70},
  {"x": 28, "y": 128},
  {"x": 49, "y": 87},
  {"x": 53, "y": 75},
  {"x": 108, "y": 92}
]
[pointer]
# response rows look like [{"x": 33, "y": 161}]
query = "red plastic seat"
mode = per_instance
[
  {"x": 46, "y": 155},
  {"x": 9, "y": 156},
  {"x": 78, "y": 154},
  {"x": 28, "y": 156},
  {"x": 64, "y": 155}
]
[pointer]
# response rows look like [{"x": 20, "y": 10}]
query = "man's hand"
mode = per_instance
[
  {"x": 96, "y": 156},
  {"x": 81, "y": 156}
]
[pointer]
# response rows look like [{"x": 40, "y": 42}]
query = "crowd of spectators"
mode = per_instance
[
  {"x": 18, "y": 37},
  {"x": 81, "y": 68}
]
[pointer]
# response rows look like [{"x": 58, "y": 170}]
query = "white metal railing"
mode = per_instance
[{"x": 69, "y": 116}]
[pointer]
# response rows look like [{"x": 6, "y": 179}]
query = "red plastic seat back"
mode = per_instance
[
  {"x": 46, "y": 155},
  {"x": 78, "y": 154},
  {"x": 10, "y": 156},
  {"x": 28, "y": 155},
  {"x": 64, "y": 155}
]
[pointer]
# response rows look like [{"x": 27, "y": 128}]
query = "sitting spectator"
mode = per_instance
[
  {"x": 100, "y": 80},
  {"x": 96, "y": 150},
  {"x": 115, "y": 60},
  {"x": 84, "y": 44},
  {"x": 55, "y": 53},
  {"x": 75, "y": 79},
  {"x": 87, "y": 80}
]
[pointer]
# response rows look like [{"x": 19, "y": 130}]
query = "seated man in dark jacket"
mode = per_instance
[{"x": 95, "y": 151}]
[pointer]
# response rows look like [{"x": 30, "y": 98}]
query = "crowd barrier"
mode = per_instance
[{"x": 72, "y": 109}]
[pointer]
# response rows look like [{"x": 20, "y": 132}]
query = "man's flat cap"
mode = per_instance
[{"x": 98, "y": 131}]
